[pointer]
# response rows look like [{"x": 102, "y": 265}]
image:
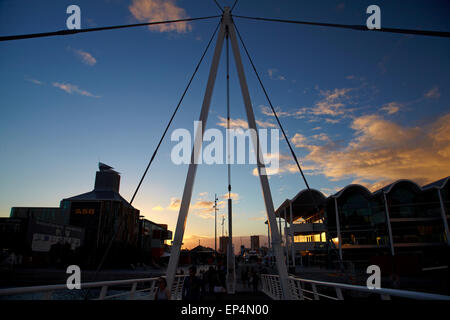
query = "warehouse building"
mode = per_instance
[{"x": 402, "y": 227}]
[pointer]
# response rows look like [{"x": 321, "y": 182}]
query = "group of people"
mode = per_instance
[
  {"x": 212, "y": 282},
  {"x": 250, "y": 278}
]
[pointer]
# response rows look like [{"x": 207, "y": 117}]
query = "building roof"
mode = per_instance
[
  {"x": 389, "y": 187},
  {"x": 302, "y": 202},
  {"x": 437, "y": 184},
  {"x": 96, "y": 195},
  {"x": 202, "y": 249},
  {"x": 351, "y": 187}
]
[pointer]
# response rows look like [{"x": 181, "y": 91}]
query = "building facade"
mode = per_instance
[
  {"x": 88, "y": 223},
  {"x": 254, "y": 242},
  {"x": 402, "y": 227}
]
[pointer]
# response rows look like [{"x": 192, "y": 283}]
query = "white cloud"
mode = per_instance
[
  {"x": 273, "y": 74},
  {"x": 160, "y": 10},
  {"x": 86, "y": 57},
  {"x": 391, "y": 108},
  {"x": 35, "y": 81},
  {"x": 71, "y": 88},
  {"x": 433, "y": 93}
]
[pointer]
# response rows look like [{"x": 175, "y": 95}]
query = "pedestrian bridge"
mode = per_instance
[{"x": 145, "y": 289}]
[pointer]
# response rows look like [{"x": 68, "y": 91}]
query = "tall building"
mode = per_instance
[
  {"x": 223, "y": 245},
  {"x": 254, "y": 242},
  {"x": 104, "y": 213},
  {"x": 88, "y": 222}
]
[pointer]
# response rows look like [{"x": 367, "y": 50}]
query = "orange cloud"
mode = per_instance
[
  {"x": 160, "y": 10},
  {"x": 383, "y": 151},
  {"x": 391, "y": 108},
  {"x": 86, "y": 57}
]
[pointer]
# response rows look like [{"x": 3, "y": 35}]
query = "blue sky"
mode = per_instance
[{"x": 360, "y": 107}]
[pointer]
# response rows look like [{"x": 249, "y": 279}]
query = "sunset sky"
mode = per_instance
[{"x": 359, "y": 107}]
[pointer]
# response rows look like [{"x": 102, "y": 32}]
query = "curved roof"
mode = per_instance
[
  {"x": 437, "y": 184},
  {"x": 304, "y": 192},
  {"x": 352, "y": 186},
  {"x": 389, "y": 187},
  {"x": 302, "y": 203}
]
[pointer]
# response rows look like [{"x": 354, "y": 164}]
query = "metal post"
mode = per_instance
[
  {"x": 444, "y": 217},
  {"x": 215, "y": 224},
  {"x": 292, "y": 234},
  {"x": 338, "y": 226},
  {"x": 286, "y": 245},
  {"x": 260, "y": 161},
  {"x": 187, "y": 193},
  {"x": 231, "y": 273},
  {"x": 388, "y": 221}
]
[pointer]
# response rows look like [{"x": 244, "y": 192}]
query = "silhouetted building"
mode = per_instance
[
  {"x": 152, "y": 239},
  {"x": 223, "y": 244},
  {"x": 52, "y": 215},
  {"x": 105, "y": 214},
  {"x": 402, "y": 227},
  {"x": 254, "y": 242},
  {"x": 89, "y": 222},
  {"x": 37, "y": 239}
]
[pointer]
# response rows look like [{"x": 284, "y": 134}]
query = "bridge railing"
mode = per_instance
[
  {"x": 136, "y": 289},
  {"x": 306, "y": 289}
]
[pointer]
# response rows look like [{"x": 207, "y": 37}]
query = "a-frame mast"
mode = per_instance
[{"x": 227, "y": 24}]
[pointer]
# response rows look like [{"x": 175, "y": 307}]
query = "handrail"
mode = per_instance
[
  {"x": 297, "y": 286},
  {"x": 103, "y": 285}
]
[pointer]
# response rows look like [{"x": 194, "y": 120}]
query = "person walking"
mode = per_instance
[
  {"x": 162, "y": 293},
  {"x": 192, "y": 287},
  {"x": 254, "y": 280},
  {"x": 244, "y": 277}
]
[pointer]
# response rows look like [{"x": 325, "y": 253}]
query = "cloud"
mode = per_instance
[
  {"x": 243, "y": 124},
  {"x": 268, "y": 112},
  {"x": 273, "y": 74},
  {"x": 173, "y": 206},
  {"x": 265, "y": 124},
  {"x": 433, "y": 93},
  {"x": 332, "y": 103},
  {"x": 382, "y": 151},
  {"x": 160, "y": 10},
  {"x": 391, "y": 108},
  {"x": 258, "y": 218},
  {"x": 27, "y": 78},
  {"x": 86, "y": 57},
  {"x": 201, "y": 208},
  {"x": 234, "y": 123},
  {"x": 71, "y": 88},
  {"x": 233, "y": 196},
  {"x": 298, "y": 140},
  {"x": 286, "y": 165}
]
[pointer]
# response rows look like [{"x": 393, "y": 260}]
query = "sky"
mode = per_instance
[{"x": 359, "y": 107}]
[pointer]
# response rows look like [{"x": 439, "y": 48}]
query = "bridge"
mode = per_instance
[{"x": 145, "y": 289}]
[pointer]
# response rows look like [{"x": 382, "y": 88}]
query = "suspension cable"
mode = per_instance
[
  {"x": 234, "y": 5},
  {"x": 154, "y": 153},
  {"x": 74, "y": 31},
  {"x": 445, "y": 34},
  {"x": 288, "y": 143},
  {"x": 218, "y": 5},
  {"x": 228, "y": 112},
  {"x": 276, "y": 117}
]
